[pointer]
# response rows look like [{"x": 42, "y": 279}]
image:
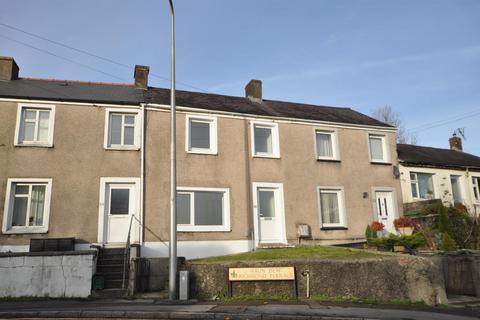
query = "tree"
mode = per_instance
[{"x": 389, "y": 116}]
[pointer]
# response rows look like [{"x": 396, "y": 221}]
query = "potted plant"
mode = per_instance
[
  {"x": 404, "y": 225},
  {"x": 377, "y": 228}
]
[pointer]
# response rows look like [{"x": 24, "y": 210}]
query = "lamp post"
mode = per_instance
[{"x": 172, "y": 276}]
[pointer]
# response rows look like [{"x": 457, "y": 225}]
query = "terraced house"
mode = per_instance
[{"x": 85, "y": 160}]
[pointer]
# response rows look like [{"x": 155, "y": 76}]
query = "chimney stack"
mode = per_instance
[
  {"x": 8, "y": 68},
  {"x": 141, "y": 76},
  {"x": 455, "y": 143},
  {"x": 253, "y": 91}
]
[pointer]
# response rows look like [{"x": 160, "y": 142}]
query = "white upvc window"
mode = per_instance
[
  {"x": 201, "y": 134},
  {"x": 378, "y": 148},
  {"x": 326, "y": 144},
  {"x": 35, "y": 123},
  {"x": 331, "y": 203},
  {"x": 456, "y": 185},
  {"x": 422, "y": 185},
  {"x": 265, "y": 139},
  {"x": 122, "y": 129},
  {"x": 27, "y": 205},
  {"x": 476, "y": 188},
  {"x": 203, "y": 209}
]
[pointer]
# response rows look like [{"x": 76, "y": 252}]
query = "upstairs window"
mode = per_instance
[
  {"x": 35, "y": 125},
  {"x": 201, "y": 135},
  {"x": 378, "y": 148},
  {"x": 27, "y": 206},
  {"x": 326, "y": 145},
  {"x": 122, "y": 130},
  {"x": 422, "y": 185},
  {"x": 476, "y": 188},
  {"x": 203, "y": 209},
  {"x": 265, "y": 140}
]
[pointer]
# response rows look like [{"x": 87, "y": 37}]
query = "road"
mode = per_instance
[{"x": 148, "y": 309}]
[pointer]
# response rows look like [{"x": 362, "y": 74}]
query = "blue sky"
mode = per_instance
[{"x": 422, "y": 57}]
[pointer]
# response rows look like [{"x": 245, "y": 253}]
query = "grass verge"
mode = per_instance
[{"x": 301, "y": 252}]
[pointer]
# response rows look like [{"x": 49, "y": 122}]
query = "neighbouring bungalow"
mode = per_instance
[
  {"x": 450, "y": 175},
  {"x": 87, "y": 160}
]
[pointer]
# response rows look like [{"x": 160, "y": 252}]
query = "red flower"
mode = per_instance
[{"x": 377, "y": 226}]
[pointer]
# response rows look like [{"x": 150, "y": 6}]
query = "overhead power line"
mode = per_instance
[
  {"x": 123, "y": 65},
  {"x": 63, "y": 58},
  {"x": 442, "y": 122}
]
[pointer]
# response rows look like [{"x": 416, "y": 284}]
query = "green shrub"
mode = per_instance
[
  {"x": 413, "y": 241},
  {"x": 448, "y": 244},
  {"x": 443, "y": 225}
]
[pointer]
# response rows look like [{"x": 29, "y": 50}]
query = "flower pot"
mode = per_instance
[{"x": 406, "y": 231}]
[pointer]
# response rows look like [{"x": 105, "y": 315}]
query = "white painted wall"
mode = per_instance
[
  {"x": 57, "y": 276},
  {"x": 442, "y": 185},
  {"x": 197, "y": 249}
]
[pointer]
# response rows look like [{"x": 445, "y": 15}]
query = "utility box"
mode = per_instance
[
  {"x": 304, "y": 231},
  {"x": 183, "y": 285}
]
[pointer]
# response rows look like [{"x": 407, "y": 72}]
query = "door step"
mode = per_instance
[{"x": 109, "y": 294}]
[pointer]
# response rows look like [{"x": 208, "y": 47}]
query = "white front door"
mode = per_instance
[
  {"x": 385, "y": 209},
  {"x": 120, "y": 204},
  {"x": 268, "y": 213}
]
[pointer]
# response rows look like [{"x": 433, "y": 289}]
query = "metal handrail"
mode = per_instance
[{"x": 126, "y": 254}]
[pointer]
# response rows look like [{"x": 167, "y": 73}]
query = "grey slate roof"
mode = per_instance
[
  {"x": 76, "y": 91},
  {"x": 427, "y": 156},
  {"x": 266, "y": 108}
]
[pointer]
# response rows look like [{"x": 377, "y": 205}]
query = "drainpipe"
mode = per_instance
[{"x": 142, "y": 174}]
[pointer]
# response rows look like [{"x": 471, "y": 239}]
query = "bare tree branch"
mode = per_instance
[{"x": 388, "y": 115}]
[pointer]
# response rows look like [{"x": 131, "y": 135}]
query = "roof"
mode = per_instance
[
  {"x": 66, "y": 90},
  {"x": 77, "y": 91},
  {"x": 268, "y": 108},
  {"x": 427, "y": 156}
]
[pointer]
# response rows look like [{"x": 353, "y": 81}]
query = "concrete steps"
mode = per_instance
[{"x": 110, "y": 265}]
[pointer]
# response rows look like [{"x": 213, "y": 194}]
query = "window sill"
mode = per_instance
[
  {"x": 120, "y": 148},
  {"x": 206, "y": 152},
  {"x": 206, "y": 229},
  {"x": 266, "y": 156},
  {"x": 31, "y": 144},
  {"x": 328, "y": 160},
  {"x": 25, "y": 230},
  {"x": 385, "y": 163},
  {"x": 333, "y": 228}
]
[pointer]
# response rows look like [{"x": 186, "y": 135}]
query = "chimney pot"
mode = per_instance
[
  {"x": 8, "y": 68},
  {"x": 455, "y": 143},
  {"x": 141, "y": 76},
  {"x": 253, "y": 91}
]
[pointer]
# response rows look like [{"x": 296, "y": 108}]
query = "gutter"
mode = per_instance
[{"x": 142, "y": 172}]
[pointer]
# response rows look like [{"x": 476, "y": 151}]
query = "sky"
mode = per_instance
[{"x": 421, "y": 57}]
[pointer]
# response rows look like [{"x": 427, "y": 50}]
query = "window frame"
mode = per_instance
[
  {"x": 7, "y": 227},
  {"x": 460, "y": 187},
  {"x": 340, "y": 191},
  {"x": 417, "y": 185},
  {"x": 136, "y": 129},
  {"x": 476, "y": 185},
  {"x": 385, "y": 149},
  {"x": 225, "y": 227},
  {"x": 212, "y": 121},
  {"x": 335, "y": 145},
  {"x": 275, "y": 139},
  {"x": 51, "y": 125}
]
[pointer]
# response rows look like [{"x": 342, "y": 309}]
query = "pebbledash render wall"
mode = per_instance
[{"x": 78, "y": 161}]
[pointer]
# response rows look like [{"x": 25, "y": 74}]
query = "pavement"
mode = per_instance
[{"x": 161, "y": 309}]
